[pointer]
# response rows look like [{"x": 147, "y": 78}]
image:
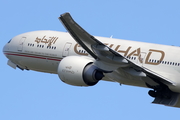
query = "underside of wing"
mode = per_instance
[{"x": 113, "y": 60}]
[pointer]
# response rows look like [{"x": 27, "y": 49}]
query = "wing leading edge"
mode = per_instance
[{"x": 106, "y": 55}]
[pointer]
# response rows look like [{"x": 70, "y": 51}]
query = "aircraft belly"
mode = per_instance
[{"x": 41, "y": 65}]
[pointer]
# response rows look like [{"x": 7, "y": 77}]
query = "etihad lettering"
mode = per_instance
[
  {"x": 136, "y": 53},
  {"x": 46, "y": 40},
  {"x": 152, "y": 51},
  {"x": 127, "y": 53}
]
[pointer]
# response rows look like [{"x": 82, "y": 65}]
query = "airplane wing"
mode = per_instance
[
  {"x": 101, "y": 52},
  {"x": 108, "y": 57}
]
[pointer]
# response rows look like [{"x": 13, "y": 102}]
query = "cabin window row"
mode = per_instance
[
  {"x": 132, "y": 58},
  {"x": 30, "y": 44},
  {"x": 51, "y": 47},
  {"x": 82, "y": 51},
  {"x": 42, "y": 46},
  {"x": 164, "y": 62}
]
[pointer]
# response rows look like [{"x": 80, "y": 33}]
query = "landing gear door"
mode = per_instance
[
  {"x": 21, "y": 42},
  {"x": 66, "y": 49}
]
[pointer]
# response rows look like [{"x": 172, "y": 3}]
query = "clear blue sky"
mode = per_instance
[{"x": 29, "y": 95}]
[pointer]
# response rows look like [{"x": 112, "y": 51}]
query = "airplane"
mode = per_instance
[{"x": 81, "y": 59}]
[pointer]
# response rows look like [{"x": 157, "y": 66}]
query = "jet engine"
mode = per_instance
[{"x": 79, "y": 71}]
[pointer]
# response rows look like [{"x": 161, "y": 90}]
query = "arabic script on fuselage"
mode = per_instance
[{"x": 46, "y": 40}]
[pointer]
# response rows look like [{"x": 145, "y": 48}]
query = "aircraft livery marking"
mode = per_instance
[
  {"x": 137, "y": 52},
  {"x": 46, "y": 40},
  {"x": 33, "y": 56}
]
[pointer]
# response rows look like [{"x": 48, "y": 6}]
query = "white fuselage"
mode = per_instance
[{"x": 43, "y": 50}]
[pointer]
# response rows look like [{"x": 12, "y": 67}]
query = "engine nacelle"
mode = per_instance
[{"x": 79, "y": 71}]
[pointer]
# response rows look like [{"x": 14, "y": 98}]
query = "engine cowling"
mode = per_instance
[{"x": 79, "y": 71}]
